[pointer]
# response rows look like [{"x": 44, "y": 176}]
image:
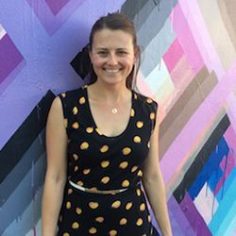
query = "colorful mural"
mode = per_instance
[{"x": 188, "y": 66}]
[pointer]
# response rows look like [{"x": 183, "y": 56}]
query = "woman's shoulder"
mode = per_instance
[
  {"x": 145, "y": 99},
  {"x": 73, "y": 93}
]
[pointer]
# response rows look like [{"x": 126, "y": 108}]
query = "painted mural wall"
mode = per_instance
[{"x": 188, "y": 66}]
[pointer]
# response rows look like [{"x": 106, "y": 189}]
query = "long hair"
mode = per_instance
[{"x": 116, "y": 21}]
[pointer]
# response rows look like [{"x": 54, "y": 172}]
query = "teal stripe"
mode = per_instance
[{"x": 225, "y": 205}]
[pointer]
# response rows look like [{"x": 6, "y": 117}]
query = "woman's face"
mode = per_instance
[{"x": 112, "y": 55}]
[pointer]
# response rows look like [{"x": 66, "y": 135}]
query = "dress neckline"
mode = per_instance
[{"x": 94, "y": 123}]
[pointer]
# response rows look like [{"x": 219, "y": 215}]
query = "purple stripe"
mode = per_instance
[
  {"x": 195, "y": 219},
  {"x": 10, "y": 57},
  {"x": 56, "y": 5},
  {"x": 179, "y": 222}
]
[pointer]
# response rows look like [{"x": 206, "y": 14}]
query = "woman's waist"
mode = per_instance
[{"x": 111, "y": 189}]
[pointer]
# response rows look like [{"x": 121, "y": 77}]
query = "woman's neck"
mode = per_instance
[{"x": 109, "y": 94}]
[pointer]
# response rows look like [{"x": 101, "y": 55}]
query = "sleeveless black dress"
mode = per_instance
[{"x": 105, "y": 163}]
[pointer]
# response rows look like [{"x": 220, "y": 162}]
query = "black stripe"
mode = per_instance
[
  {"x": 21, "y": 140},
  {"x": 201, "y": 159}
]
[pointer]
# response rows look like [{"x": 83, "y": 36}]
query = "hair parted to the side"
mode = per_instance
[{"x": 117, "y": 21}]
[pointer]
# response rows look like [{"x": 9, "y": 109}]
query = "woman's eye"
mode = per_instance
[
  {"x": 102, "y": 53},
  {"x": 122, "y": 53}
]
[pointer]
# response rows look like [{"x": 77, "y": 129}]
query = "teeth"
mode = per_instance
[{"x": 112, "y": 70}]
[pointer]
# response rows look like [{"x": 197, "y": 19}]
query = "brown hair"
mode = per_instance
[{"x": 117, "y": 21}]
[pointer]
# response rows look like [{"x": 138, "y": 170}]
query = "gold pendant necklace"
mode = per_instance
[{"x": 114, "y": 110}]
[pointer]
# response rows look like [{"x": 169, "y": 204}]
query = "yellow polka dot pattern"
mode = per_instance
[
  {"x": 99, "y": 219},
  {"x": 78, "y": 211},
  {"x": 103, "y": 153},
  {"x": 116, "y": 204},
  {"x": 125, "y": 183},
  {"x": 139, "y": 222},
  {"x": 75, "y": 225},
  {"x": 84, "y": 146},
  {"x": 89, "y": 130},
  {"x": 86, "y": 171},
  {"x": 139, "y": 124},
  {"x": 105, "y": 179},
  {"x": 93, "y": 230},
  {"x": 75, "y": 111},
  {"x": 152, "y": 115},
  {"x": 126, "y": 151},
  {"x": 112, "y": 232},
  {"x": 123, "y": 221},
  {"x": 82, "y": 100},
  {"x": 128, "y": 205},
  {"x": 68, "y": 205},
  {"x": 104, "y": 148},
  {"x": 137, "y": 139},
  {"x": 76, "y": 157},
  {"x": 105, "y": 164},
  {"x": 93, "y": 205},
  {"x": 124, "y": 164}
]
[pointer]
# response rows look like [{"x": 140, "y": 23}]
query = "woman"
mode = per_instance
[{"x": 102, "y": 142}]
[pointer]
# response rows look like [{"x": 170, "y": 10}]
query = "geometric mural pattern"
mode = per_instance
[{"x": 188, "y": 65}]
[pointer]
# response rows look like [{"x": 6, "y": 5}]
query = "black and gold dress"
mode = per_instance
[{"x": 96, "y": 161}]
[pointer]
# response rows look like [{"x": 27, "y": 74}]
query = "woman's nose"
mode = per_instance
[{"x": 112, "y": 60}]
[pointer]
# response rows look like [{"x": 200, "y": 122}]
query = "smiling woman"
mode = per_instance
[{"x": 102, "y": 146}]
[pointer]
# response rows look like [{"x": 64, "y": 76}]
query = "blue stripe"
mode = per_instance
[
  {"x": 208, "y": 169},
  {"x": 215, "y": 178}
]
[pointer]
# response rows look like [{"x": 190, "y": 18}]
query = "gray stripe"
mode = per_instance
[
  {"x": 23, "y": 166},
  {"x": 24, "y": 193}
]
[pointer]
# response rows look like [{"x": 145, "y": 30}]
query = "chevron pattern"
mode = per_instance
[{"x": 188, "y": 66}]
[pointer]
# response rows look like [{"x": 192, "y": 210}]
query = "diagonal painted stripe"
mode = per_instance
[
  {"x": 56, "y": 6},
  {"x": 186, "y": 105},
  {"x": 131, "y": 9},
  {"x": 2, "y": 32},
  {"x": 195, "y": 219},
  {"x": 10, "y": 57},
  {"x": 12, "y": 152},
  {"x": 203, "y": 41},
  {"x": 201, "y": 158},
  {"x": 216, "y": 29},
  {"x": 206, "y": 203},
  {"x": 23, "y": 195},
  {"x": 178, "y": 215},
  {"x": 227, "y": 206},
  {"x": 213, "y": 163},
  {"x": 153, "y": 23},
  {"x": 174, "y": 53},
  {"x": 227, "y": 10},
  {"x": 199, "y": 126},
  {"x": 21, "y": 169},
  {"x": 185, "y": 38},
  {"x": 29, "y": 220}
]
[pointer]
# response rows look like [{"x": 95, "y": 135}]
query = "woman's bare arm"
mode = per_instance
[{"x": 56, "y": 145}]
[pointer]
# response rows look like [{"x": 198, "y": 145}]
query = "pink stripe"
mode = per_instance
[
  {"x": 174, "y": 53},
  {"x": 188, "y": 139},
  {"x": 182, "y": 74},
  {"x": 202, "y": 38},
  {"x": 230, "y": 137},
  {"x": 186, "y": 39}
]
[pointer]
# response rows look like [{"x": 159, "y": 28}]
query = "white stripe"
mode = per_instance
[{"x": 2, "y": 32}]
